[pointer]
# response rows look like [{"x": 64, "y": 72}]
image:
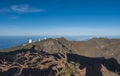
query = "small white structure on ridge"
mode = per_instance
[{"x": 30, "y": 41}]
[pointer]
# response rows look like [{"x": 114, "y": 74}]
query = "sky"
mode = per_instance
[{"x": 59, "y": 17}]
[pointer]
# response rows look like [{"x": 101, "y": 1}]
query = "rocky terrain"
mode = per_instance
[{"x": 60, "y": 57}]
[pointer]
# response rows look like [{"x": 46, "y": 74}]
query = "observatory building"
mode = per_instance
[{"x": 30, "y": 41}]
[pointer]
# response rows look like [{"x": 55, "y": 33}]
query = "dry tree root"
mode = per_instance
[{"x": 35, "y": 60}]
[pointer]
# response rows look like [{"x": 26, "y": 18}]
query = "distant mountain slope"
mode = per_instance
[
  {"x": 95, "y": 57},
  {"x": 96, "y": 47}
]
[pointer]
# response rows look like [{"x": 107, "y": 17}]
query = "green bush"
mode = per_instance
[{"x": 68, "y": 70}]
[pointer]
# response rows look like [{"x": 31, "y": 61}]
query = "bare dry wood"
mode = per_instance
[{"x": 35, "y": 60}]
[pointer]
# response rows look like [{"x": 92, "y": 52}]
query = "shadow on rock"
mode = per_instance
[{"x": 93, "y": 65}]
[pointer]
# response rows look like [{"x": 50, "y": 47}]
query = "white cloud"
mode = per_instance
[
  {"x": 21, "y": 9},
  {"x": 69, "y": 31},
  {"x": 25, "y": 9}
]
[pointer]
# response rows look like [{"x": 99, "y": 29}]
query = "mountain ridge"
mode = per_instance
[
  {"x": 95, "y": 57},
  {"x": 96, "y": 47}
]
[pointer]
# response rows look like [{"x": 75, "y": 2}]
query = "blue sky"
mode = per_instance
[{"x": 60, "y": 17}]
